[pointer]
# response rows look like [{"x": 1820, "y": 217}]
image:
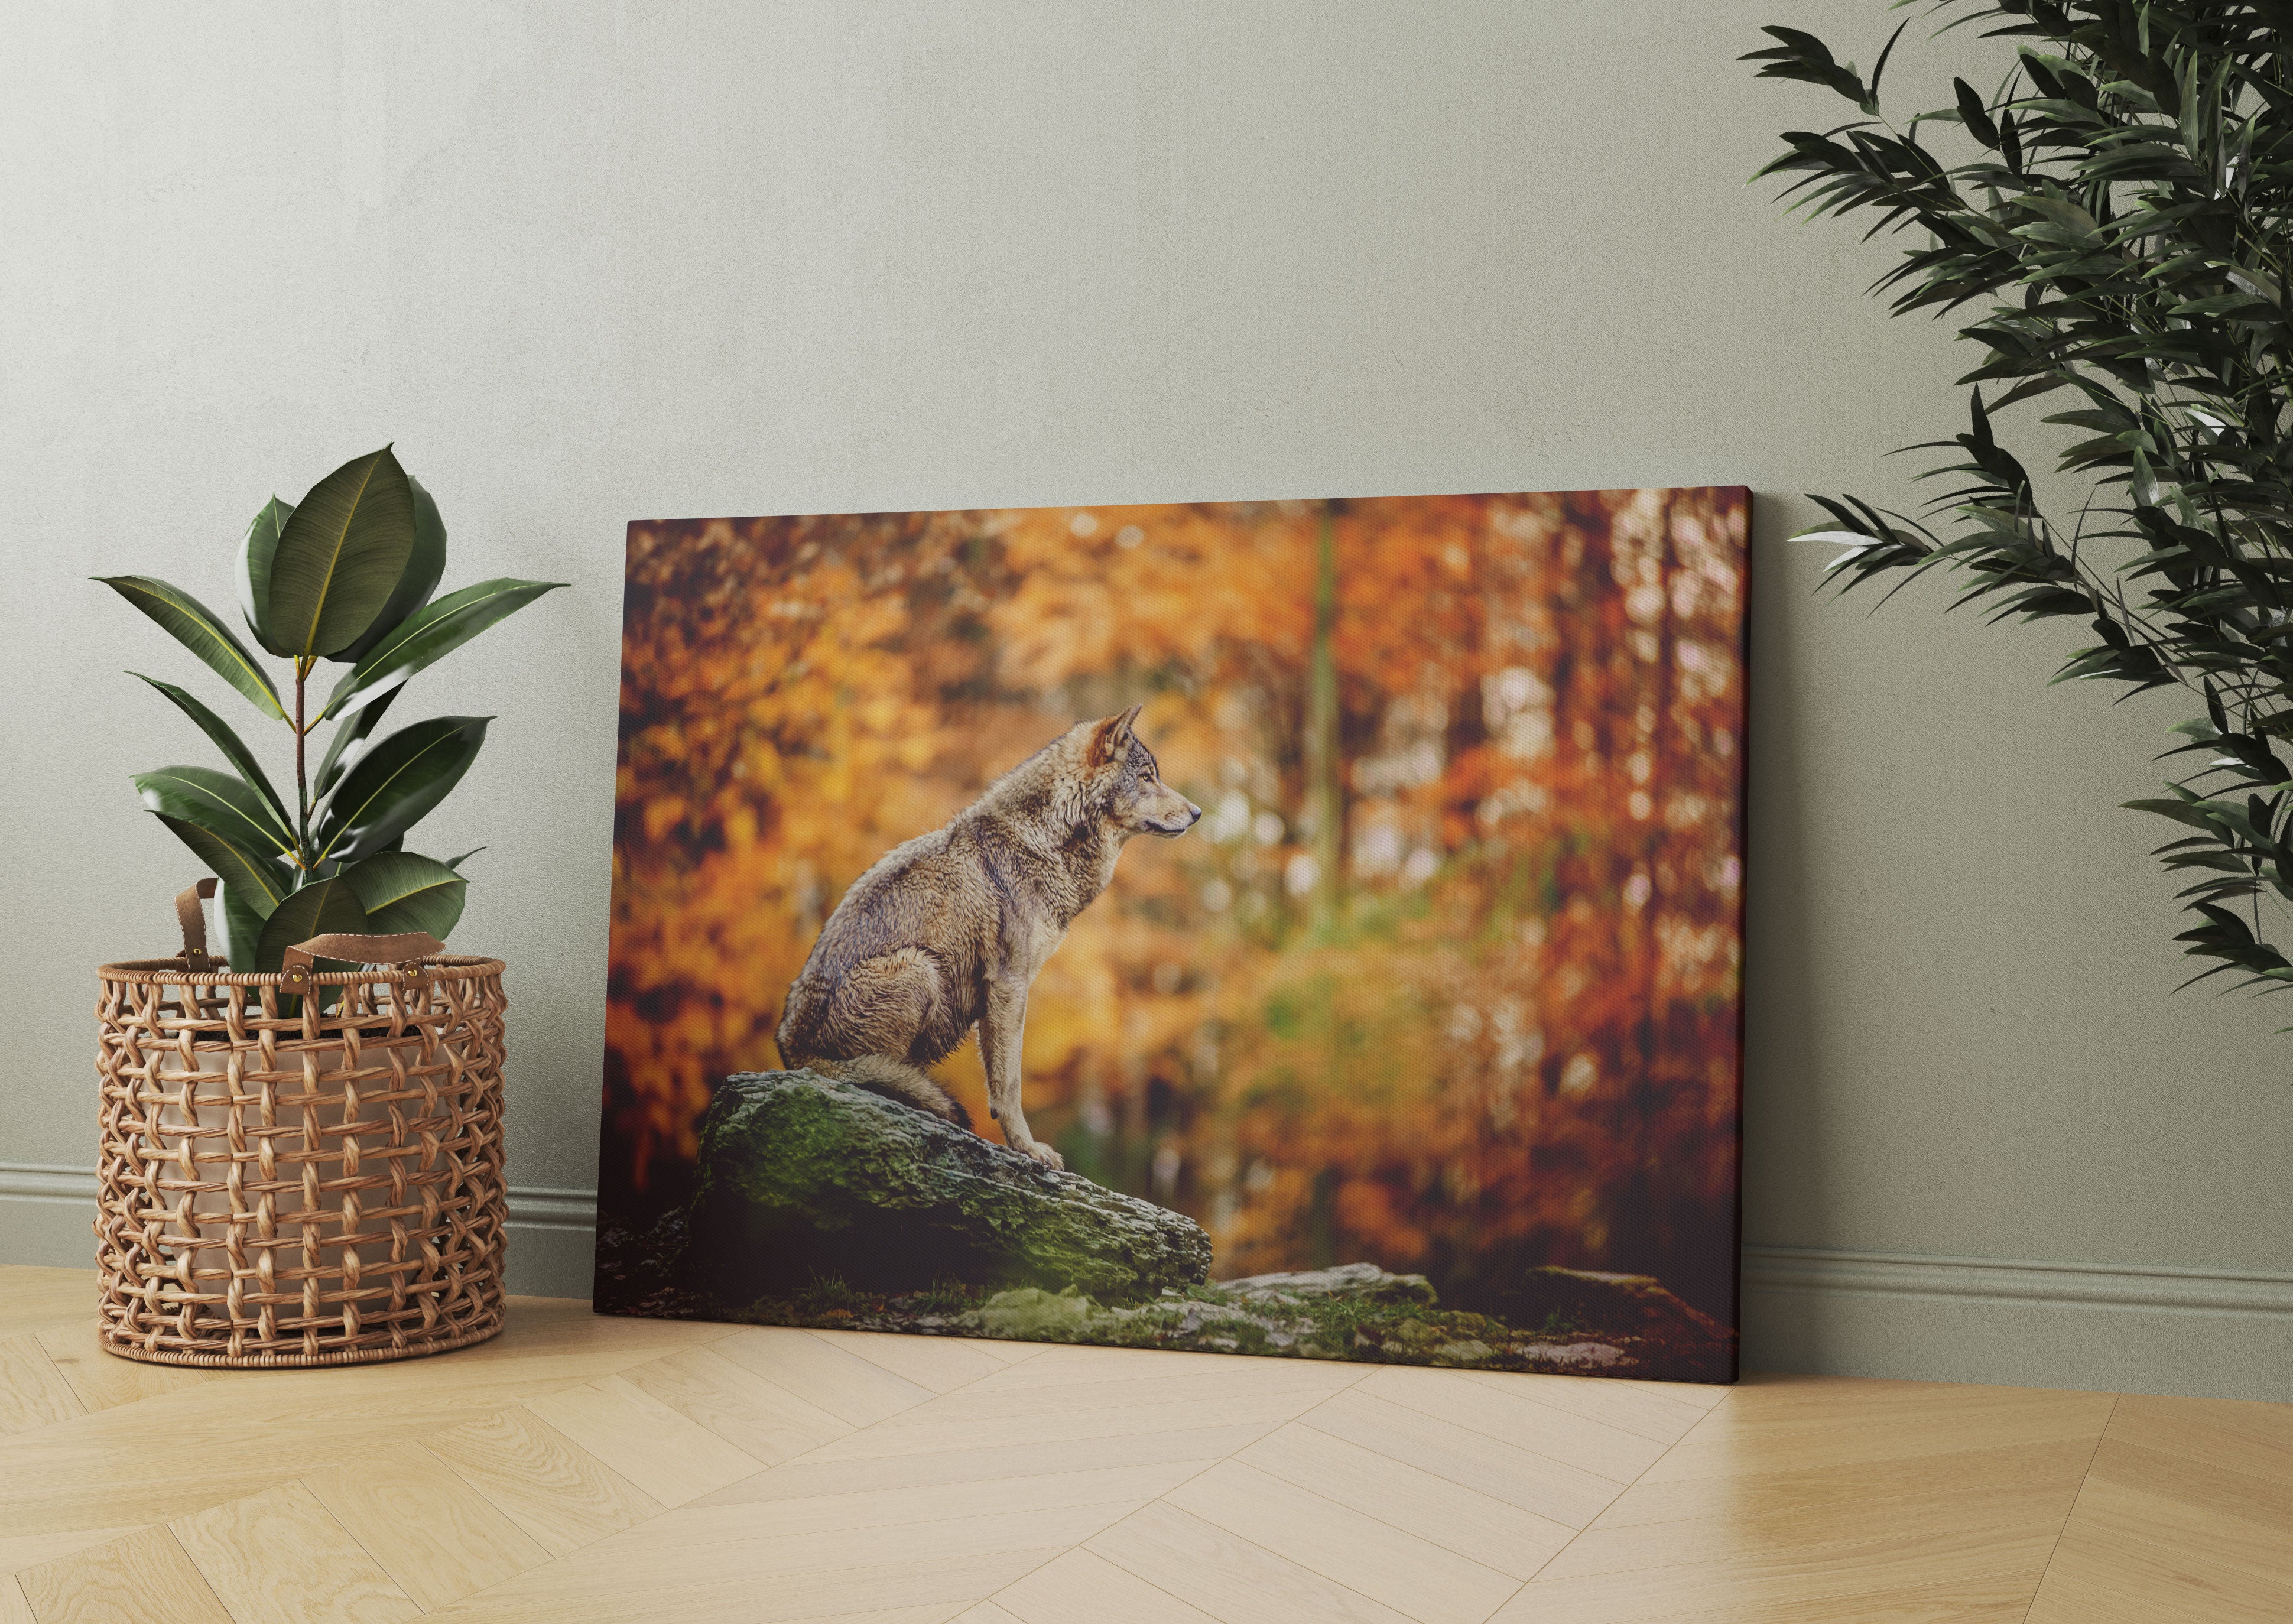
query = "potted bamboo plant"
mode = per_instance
[{"x": 2107, "y": 226}]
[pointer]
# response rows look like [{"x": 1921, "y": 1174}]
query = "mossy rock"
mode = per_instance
[{"x": 803, "y": 1178}]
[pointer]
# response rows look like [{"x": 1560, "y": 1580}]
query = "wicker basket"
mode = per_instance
[{"x": 293, "y": 1176}]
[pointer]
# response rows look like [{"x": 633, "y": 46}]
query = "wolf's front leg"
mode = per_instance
[{"x": 1000, "y": 1029}]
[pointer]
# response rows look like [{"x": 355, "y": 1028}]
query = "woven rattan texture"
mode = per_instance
[{"x": 287, "y": 1184}]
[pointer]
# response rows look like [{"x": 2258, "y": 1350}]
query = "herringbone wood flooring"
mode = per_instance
[{"x": 612, "y": 1470}]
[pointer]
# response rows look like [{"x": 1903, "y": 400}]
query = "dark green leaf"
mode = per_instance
[
  {"x": 1974, "y": 116},
  {"x": 402, "y": 891},
  {"x": 349, "y": 743},
  {"x": 256, "y": 548},
  {"x": 429, "y": 635},
  {"x": 195, "y": 626},
  {"x": 234, "y": 750},
  {"x": 242, "y": 927},
  {"x": 261, "y": 880},
  {"x": 321, "y": 908},
  {"x": 424, "y": 566},
  {"x": 2129, "y": 249},
  {"x": 395, "y": 783},
  {"x": 341, "y": 555},
  {"x": 217, "y": 802}
]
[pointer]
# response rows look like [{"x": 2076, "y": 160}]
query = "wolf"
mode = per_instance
[{"x": 948, "y": 931}]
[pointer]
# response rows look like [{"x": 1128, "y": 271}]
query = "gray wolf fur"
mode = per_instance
[{"x": 948, "y": 931}]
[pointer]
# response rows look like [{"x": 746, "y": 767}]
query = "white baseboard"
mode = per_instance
[
  {"x": 2118, "y": 1327},
  {"x": 2132, "y": 1327},
  {"x": 1825, "y": 1270}
]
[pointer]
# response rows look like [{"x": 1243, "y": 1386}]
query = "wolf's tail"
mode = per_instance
[{"x": 895, "y": 1080}]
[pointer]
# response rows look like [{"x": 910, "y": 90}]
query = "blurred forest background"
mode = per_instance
[{"x": 1446, "y": 979}]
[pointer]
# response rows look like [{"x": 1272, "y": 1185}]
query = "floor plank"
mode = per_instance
[
  {"x": 754, "y": 1414},
  {"x": 244, "y": 1431},
  {"x": 888, "y": 1589},
  {"x": 36, "y": 1298},
  {"x": 1816, "y": 1500},
  {"x": 900, "y": 1504},
  {"x": 1192, "y": 1449},
  {"x": 1986, "y": 1584},
  {"x": 1515, "y": 1416},
  {"x": 1412, "y": 1576},
  {"x": 561, "y": 1495},
  {"x": 1536, "y": 1483},
  {"x": 2173, "y": 1534},
  {"x": 144, "y": 1579},
  {"x": 1083, "y": 1585},
  {"x": 924, "y": 1429},
  {"x": 986, "y": 1613},
  {"x": 586, "y": 1468},
  {"x": 33, "y": 1392},
  {"x": 19, "y": 1551},
  {"x": 103, "y": 1379},
  {"x": 674, "y": 1569},
  {"x": 280, "y": 1557},
  {"x": 941, "y": 1363},
  {"x": 1227, "y": 1577},
  {"x": 1664, "y": 1416},
  {"x": 430, "y": 1530},
  {"x": 853, "y": 1389},
  {"x": 661, "y": 1451},
  {"x": 1466, "y": 1521}
]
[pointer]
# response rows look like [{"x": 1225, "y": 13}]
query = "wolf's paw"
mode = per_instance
[{"x": 1044, "y": 1154}]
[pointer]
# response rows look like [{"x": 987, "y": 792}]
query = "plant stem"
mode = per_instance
[{"x": 302, "y": 788}]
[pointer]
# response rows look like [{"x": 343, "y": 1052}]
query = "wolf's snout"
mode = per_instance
[{"x": 1178, "y": 823}]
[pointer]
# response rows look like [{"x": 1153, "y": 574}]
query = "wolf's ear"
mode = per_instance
[{"x": 1114, "y": 735}]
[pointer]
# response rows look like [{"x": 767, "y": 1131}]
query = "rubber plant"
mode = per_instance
[
  {"x": 2111, "y": 226},
  {"x": 347, "y": 575}
]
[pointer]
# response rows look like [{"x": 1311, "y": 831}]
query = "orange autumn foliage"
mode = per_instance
[{"x": 1492, "y": 1011}]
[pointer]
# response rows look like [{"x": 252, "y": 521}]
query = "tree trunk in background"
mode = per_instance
[
  {"x": 1589, "y": 739},
  {"x": 1643, "y": 1228},
  {"x": 1324, "y": 813}
]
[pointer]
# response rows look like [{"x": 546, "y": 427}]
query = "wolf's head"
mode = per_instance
[{"x": 1129, "y": 781}]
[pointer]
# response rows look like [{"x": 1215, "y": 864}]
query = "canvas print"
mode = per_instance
[{"x": 1304, "y": 929}]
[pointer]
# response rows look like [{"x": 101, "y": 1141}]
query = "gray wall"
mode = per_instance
[{"x": 588, "y": 262}]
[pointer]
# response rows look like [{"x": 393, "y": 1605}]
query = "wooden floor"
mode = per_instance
[{"x": 581, "y": 1468}]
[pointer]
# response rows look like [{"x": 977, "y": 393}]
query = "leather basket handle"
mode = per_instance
[
  {"x": 297, "y": 968},
  {"x": 193, "y": 920}
]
